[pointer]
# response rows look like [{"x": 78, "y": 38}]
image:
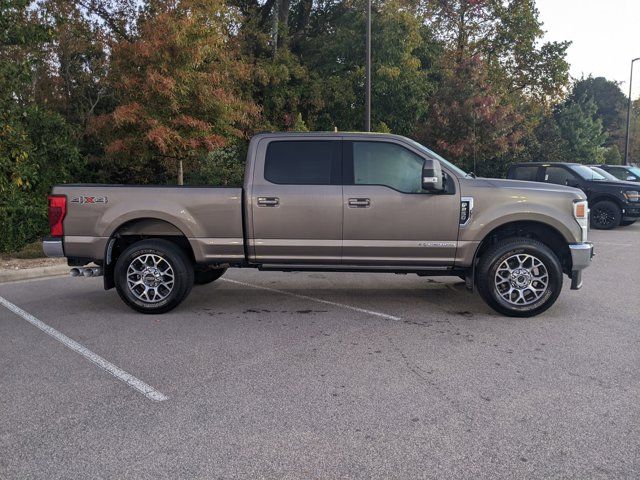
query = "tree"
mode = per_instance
[
  {"x": 178, "y": 85},
  {"x": 468, "y": 122},
  {"x": 507, "y": 35},
  {"x": 36, "y": 148},
  {"x": 333, "y": 54},
  {"x": 581, "y": 131},
  {"x": 611, "y": 106}
]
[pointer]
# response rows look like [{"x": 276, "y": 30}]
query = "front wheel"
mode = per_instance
[
  {"x": 153, "y": 276},
  {"x": 605, "y": 215},
  {"x": 519, "y": 277}
]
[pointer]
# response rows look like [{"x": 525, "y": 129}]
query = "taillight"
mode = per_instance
[{"x": 57, "y": 211}]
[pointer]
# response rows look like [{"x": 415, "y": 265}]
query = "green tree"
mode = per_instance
[
  {"x": 36, "y": 149},
  {"x": 581, "y": 131},
  {"x": 611, "y": 106}
]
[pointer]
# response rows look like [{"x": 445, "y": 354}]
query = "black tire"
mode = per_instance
[
  {"x": 167, "y": 255},
  {"x": 493, "y": 286},
  {"x": 605, "y": 215},
  {"x": 626, "y": 223},
  {"x": 204, "y": 274}
]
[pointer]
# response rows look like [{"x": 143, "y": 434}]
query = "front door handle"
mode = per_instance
[
  {"x": 268, "y": 201},
  {"x": 359, "y": 203}
]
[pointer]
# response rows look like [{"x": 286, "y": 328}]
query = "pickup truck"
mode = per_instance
[
  {"x": 343, "y": 202},
  {"x": 612, "y": 202}
]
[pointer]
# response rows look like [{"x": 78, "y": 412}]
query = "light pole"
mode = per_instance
[
  {"x": 626, "y": 141},
  {"x": 367, "y": 95}
]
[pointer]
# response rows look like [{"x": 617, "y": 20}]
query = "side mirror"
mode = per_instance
[
  {"x": 631, "y": 179},
  {"x": 572, "y": 182},
  {"x": 432, "y": 176}
]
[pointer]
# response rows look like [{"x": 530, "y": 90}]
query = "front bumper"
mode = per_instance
[
  {"x": 53, "y": 247},
  {"x": 581, "y": 255},
  {"x": 631, "y": 212}
]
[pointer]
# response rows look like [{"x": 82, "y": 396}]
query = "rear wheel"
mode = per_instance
[
  {"x": 605, "y": 215},
  {"x": 519, "y": 277},
  {"x": 204, "y": 275},
  {"x": 153, "y": 276}
]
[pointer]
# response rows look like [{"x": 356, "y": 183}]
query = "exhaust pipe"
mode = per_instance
[{"x": 86, "y": 272}]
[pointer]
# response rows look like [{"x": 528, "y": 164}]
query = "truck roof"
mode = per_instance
[
  {"x": 524, "y": 164},
  {"x": 331, "y": 134}
]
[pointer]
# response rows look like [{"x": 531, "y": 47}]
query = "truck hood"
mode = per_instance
[{"x": 620, "y": 184}]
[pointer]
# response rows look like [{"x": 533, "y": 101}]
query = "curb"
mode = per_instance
[{"x": 29, "y": 273}]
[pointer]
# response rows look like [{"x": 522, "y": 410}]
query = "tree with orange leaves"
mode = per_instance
[{"x": 178, "y": 85}]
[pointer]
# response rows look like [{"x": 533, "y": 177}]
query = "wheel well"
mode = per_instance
[
  {"x": 608, "y": 198},
  {"x": 538, "y": 231},
  {"x": 140, "y": 229}
]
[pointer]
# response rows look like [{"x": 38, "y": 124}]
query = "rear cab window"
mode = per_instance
[
  {"x": 304, "y": 162},
  {"x": 527, "y": 173}
]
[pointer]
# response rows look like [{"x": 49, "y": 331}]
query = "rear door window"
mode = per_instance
[
  {"x": 526, "y": 173},
  {"x": 303, "y": 162},
  {"x": 559, "y": 176}
]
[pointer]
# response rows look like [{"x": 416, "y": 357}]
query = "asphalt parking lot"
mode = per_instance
[{"x": 280, "y": 375}]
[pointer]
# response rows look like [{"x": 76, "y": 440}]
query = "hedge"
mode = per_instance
[{"x": 20, "y": 225}]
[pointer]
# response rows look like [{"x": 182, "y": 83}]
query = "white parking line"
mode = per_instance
[
  {"x": 314, "y": 299},
  {"x": 148, "y": 391}
]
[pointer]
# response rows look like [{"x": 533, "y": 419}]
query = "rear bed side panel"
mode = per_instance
[{"x": 210, "y": 218}]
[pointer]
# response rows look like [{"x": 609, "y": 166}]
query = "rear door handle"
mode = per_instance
[
  {"x": 268, "y": 201},
  {"x": 359, "y": 203}
]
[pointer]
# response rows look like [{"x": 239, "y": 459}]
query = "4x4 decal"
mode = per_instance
[{"x": 86, "y": 199}]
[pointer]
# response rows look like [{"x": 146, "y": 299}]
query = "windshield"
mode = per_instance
[
  {"x": 635, "y": 171},
  {"x": 605, "y": 174},
  {"x": 433, "y": 154},
  {"x": 587, "y": 173}
]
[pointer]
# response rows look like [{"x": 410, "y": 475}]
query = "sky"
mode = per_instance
[{"x": 605, "y": 36}]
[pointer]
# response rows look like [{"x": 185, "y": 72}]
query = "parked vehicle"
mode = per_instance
[
  {"x": 626, "y": 173},
  {"x": 612, "y": 203},
  {"x": 329, "y": 202}
]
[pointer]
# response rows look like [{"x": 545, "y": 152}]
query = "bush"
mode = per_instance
[{"x": 21, "y": 225}]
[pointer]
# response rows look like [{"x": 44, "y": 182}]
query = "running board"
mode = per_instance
[{"x": 423, "y": 271}]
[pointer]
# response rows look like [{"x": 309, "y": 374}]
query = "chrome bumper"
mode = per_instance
[
  {"x": 581, "y": 255},
  {"x": 53, "y": 247}
]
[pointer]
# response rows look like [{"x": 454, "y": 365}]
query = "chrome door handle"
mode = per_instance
[
  {"x": 359, "y": 203},
  {"x": 268, "y": 201}
]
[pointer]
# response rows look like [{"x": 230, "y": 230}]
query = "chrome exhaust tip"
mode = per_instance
[{"x": 86, "y": 272}]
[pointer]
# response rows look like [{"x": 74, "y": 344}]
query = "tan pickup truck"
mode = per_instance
[{"x": 344, "y": 202}]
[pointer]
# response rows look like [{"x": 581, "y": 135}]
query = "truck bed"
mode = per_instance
[{"x": 209, "y": 217}]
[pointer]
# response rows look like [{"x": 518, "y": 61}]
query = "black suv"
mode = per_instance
[
  {"x": 622, "y": 172},
  {"x": 612, "y": 203}
]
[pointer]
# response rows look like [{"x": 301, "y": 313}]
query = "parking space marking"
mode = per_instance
[
  {"x": 315, "y": 299},
  {"x": 617, "y": 244},
  {"x": 148, "y": 391}
]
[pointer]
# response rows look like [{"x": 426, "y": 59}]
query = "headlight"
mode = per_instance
[
  {"x": 581, "y": 214},
  {"x": 632, "y": 195}
]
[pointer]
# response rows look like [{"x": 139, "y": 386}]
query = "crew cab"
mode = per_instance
[
  {"x": 346, "y": 202},
  {"x": 612, "y": 203}
]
